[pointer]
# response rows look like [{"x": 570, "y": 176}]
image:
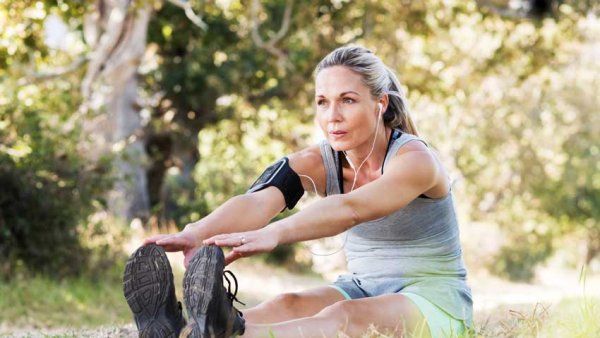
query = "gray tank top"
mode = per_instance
[{"x": 418, "y": 246}]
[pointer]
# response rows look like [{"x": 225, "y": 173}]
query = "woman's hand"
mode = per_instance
[
  {"x": 245, "y": 243},
  {"x": 186, "y": 241}
]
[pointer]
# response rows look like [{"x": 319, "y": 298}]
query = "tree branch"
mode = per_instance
[
  {"x": 502, "y": 11},
  {"x": 285, "y": 24},
  {"x": 270, "y": 45},
  {"x": 108, "y": 42},
  {"x": 189, "y": 12},
  {"x": 56, "y": 72}
]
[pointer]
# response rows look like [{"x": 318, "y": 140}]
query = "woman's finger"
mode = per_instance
[
  {"x": 232, "y": 256},
  {"x": 173, "y": 239},
  {"x": 242, "y": 251},
  {"x": 234, "y": 241},
  {"x": 153, "y": 239},
  {"x": 246, "y": 249},
  {"x": 173, "y": 243},
  {"x": 213, "y": 239},
  {"x": 172, "y": 247}
]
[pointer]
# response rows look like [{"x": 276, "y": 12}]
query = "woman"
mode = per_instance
[{"x": 402, "y": 243}]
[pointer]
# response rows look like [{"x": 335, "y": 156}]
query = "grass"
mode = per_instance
[
  {"x": 39, "y": 302},
  {"x": 575, "y": 317}
]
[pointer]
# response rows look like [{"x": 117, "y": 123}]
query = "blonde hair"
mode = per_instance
[{"x": 380, "y": 80}]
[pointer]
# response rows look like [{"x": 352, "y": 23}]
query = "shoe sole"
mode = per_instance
[
  {"x": 146, "y": 284},
  {"x": 200, "y": 286}
]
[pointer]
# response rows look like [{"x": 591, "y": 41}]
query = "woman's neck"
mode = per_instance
[{"x": 375, "y": 160}]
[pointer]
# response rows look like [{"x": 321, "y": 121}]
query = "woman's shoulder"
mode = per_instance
[
  {"x": 407, "y": 143},
  {"x": 308, "y": 161},
  {"x": 424, "y": 158},
  {"x": 307, "y": 156}
]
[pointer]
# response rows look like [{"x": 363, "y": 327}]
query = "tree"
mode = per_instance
[
  {"x": 47, "y": 189},
  {"x": 195, "y": 114}
]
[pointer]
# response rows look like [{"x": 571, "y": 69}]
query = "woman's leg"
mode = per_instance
[
  {"x": 294, "y": 305},
  {"x": 388, "y": 313}
]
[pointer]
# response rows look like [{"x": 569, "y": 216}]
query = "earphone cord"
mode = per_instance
[
  {"x": 345, "y": 237},
  {"x": 352, "y": 188}
]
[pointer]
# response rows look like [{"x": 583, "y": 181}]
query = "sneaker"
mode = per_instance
[
  {"x": 209, "y": 304},
  {"x": 150, "y": 292}
]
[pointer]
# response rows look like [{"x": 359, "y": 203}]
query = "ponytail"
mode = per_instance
[{"x": 397, "y": 114}]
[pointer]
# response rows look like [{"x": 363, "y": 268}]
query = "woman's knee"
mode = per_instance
[
  {"x": 292, "y": 305},
  {"x": 276, "y": 309},
  {"x": 285, "y": 302},
  {"x": 289, "y": 300}
]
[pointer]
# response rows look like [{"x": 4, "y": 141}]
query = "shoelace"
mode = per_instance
[{"x": 231, "y": 295}]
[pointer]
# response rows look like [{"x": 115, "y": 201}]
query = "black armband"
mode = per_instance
[{"x": 282, "y": 176}]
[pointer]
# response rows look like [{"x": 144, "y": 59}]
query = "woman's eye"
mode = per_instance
[
  {"x": 348, "y": 100},
  {"x": 320, "y": 102}
]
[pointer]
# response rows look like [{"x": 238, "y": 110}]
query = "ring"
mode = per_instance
[{"x": 243, "y": 240}]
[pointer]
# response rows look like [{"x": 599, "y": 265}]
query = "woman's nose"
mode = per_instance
[{"x": 334, "y": 114}]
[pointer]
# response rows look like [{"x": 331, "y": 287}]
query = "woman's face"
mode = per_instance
[{"x": 346, "y": 111}]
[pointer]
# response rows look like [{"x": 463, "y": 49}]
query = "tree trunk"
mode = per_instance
[
  {"x": 593, "y": 245},
  {"x": 117, "y": 32}
]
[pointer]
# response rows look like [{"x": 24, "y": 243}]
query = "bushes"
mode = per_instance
[
  {"x": 45, "y": 196},
  {"x": 518, "y": 260},
  {"x": 39, "y": 215},
  {"x": 38, "y": 222}
]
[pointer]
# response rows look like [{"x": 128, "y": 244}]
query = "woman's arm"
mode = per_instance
[
  {"x": 408, "y": 175},
  {"x": 411, "y": 172},
  {"x": 239, "y": 213},
  {"x": 244, "y": 212}
]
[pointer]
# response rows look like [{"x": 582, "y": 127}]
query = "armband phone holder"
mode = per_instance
[{"x": 282, "y": 176}]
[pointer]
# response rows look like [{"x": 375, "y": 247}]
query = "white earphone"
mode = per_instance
[{"x": 380, "y": 105}]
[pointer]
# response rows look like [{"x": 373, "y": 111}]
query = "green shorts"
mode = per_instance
[{"x": 440, "y": 323}]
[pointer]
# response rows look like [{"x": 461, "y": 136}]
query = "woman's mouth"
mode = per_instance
[{"x": 337, "y": 133}]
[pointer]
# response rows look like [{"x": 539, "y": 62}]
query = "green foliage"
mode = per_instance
[
  {"x": 518, "y": 260},
  {"x": 46, "y": 194},
  {"x": 48, "y": 189},
  {"x": 229, "y": 97},
  {"x": 492, "y": 93},
  {"x": 239, "y": 149},
  {"x": 510, "y": 102}
]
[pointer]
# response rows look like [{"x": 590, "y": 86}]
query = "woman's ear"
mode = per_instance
[{"x": 383, "y": 103}]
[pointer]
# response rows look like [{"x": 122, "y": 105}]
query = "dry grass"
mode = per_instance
[{"x": 67, "y": 307}]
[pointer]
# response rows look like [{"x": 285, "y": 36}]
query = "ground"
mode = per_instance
[{"x": 502, "y": 308}]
